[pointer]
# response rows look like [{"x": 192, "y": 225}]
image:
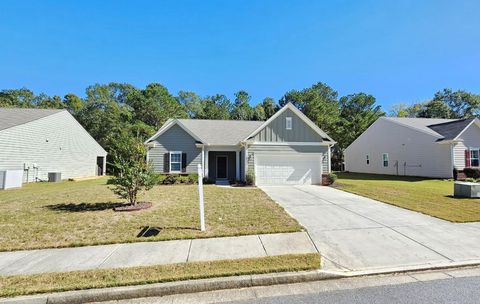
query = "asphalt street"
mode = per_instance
[{"x": 455, "y": 290}]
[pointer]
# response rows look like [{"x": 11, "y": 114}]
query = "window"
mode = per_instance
[
  {"x": 368, "y": 159},
  {"x": 288, "y": 123},
  {"x": 385, "y": 159},
  {"x": 474, "y": 158},
  {"x": 175, "y": 162}
]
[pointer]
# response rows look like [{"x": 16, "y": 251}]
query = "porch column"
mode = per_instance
[
  {"x": 203, "y": 161},
  {"x": 245, "y": 162},
  {"x": 237, "y": 162},
  {"x": 206, "y": 163}
]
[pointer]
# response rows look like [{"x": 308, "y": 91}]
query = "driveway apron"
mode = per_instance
[{"x": 354, "y": 233}]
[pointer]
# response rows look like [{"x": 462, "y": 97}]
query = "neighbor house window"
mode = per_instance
[
  {"x": 175, "y": 162},
  {"x": 385, "y": 159},
  {"x": 288, "y": 123},
  {"x": 474, "y": 158},
  {"x": 368, "y": 159}
]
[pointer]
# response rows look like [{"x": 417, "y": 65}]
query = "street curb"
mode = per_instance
[
  {"x": 202, "y": 285},
  {"x": 171, "y": 288}
]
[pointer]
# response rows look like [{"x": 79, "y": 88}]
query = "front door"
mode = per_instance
[{"x": 221, "y": 167}]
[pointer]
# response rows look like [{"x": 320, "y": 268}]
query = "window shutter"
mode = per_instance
[
  {"x": 184, "y": 162},
  {"x": 166, "y": 162},
  {"x": 467, "y": 158}
]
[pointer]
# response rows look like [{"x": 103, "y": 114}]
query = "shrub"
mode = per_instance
[
  {"x": 193, "y": 178},
  {"x": 471, "y": 180},
  {"x": 250, "y": 178},
  {"x": 472, "y": 172},
  {"x": 174, "y": 179},
  {"x": 328, "y": 179}
]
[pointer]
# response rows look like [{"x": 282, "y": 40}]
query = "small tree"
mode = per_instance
[{"x": 132, "y": 173}]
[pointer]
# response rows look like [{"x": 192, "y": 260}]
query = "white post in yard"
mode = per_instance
[{"x": 200, "y": 193}]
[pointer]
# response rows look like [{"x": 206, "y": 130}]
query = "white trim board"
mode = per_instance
[{"x": 297, "y": 143}]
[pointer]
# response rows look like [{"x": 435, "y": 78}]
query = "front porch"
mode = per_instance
[{"x": 223, "y": 164}]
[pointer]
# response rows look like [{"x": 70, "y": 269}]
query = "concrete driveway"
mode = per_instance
[{"x": 354, "y": 233}]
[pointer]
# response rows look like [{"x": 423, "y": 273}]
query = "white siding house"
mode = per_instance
[
  {"x": 415, "y": 147},
  {"x": 40, "y": 141}
]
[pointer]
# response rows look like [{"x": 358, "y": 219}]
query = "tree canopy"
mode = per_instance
[{"x": 119, "y": 109}]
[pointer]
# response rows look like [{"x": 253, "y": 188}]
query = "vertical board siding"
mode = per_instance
[
  {"x": 56, "y": 143},
  {"x": 175, "y": 139},
  {"x": 420, "y": 151},
  {"x": 275, "y": 131},
  {"x": 471, "y": 139}
]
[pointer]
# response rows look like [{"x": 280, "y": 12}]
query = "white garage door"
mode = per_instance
[{"x": 292, "y": 169}]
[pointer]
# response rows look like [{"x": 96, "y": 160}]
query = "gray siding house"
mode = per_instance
[
  {"x": 39, "y": 141},
  {"x": 428, "y": 147},
  {"x": 286, "y": 149}
]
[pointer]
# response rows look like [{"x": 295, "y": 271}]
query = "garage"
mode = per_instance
[{"x": 288, "y": 169}]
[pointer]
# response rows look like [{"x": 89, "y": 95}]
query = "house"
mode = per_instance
[
  {"x": 39, "y": 141},
  {"x": 288, "y": 148},
  {"x": 416, "y": 147}
]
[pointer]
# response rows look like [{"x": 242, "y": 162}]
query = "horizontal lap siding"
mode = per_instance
[
  {"x": 471, "y": 139},
  {"x": 420, "y": 151},
  {"x": 56, "y": 143},
  {"x": 175, "y": 139}
]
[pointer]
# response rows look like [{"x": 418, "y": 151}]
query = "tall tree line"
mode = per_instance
[{"x": 117, "y": 109}]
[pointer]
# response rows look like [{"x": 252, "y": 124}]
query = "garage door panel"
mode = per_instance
[{"x": 293, "y": 169}]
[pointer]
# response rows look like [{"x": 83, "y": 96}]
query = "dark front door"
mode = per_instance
[{"x": 221, "y": 167}]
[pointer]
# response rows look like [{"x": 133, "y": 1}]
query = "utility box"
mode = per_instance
[
  {"x": 11, "y": 179},
  {"x": 54, "y": 177}
]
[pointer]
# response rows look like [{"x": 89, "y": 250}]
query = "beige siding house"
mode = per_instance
[
  {"x": 286, "y": 149},
  {"x": 415, "y": 147},
  {"x": 40, "y": 141}
]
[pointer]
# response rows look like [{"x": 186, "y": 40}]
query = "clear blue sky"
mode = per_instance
[{"x": 399, "y": 51}]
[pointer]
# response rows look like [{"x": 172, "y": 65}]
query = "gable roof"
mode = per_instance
[
  {"x": 302, "y": 116},
  {"x": 230, "y": 132},
  {"x": 11, "y": 117},
  {"x": 212, "y": 132},
  {"x": 443, "y": 129},
  {"x": 451, "y": 130}
]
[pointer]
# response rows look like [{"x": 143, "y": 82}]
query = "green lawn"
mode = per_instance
[
  {"x": 45, "y": 215},
  {"x": 54, "y": 282},
  {"x": 429, "y": 196}
]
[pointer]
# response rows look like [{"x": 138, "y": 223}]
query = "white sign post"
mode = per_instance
[{"x": 200, "y": 193}]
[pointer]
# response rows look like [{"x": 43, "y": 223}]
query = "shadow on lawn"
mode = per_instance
[
  {"x": 84, "y": 207},
  {"x": 148, "y": 231}
]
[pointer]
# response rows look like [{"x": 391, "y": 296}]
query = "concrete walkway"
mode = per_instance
[
  {"x": 355, "y": 233},
  {"x": 153, "y": 253}
]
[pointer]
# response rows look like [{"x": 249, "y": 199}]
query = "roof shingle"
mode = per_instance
[{"x": 11, "y": 117}]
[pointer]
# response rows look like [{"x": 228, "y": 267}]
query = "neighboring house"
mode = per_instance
[
  {"x": 286, "y": 149},
  {"x": 415, "y": 146},
  {"x": 39, "y": 141}
]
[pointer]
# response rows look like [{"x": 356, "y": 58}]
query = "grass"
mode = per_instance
[
  {"x": 55, "y": 282},
  {"x": 66, "y": 214},
  {"x": 429, "y": 196}
]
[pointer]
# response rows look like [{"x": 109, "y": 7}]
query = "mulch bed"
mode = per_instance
[{"x": 137, "y": 207}]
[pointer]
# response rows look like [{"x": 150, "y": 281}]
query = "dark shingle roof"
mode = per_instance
[
  {"x": 450, "y": 130},
  {"x": 11, "y": 117}
]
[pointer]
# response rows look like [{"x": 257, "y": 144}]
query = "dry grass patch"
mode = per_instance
[
  {"x": 429, "y": 196},
  {"x": 55, "y": 282},
  {"x": 46, "y": 215}
]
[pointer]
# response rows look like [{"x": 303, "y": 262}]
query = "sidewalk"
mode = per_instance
[{"x": 153, "y": 253}]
